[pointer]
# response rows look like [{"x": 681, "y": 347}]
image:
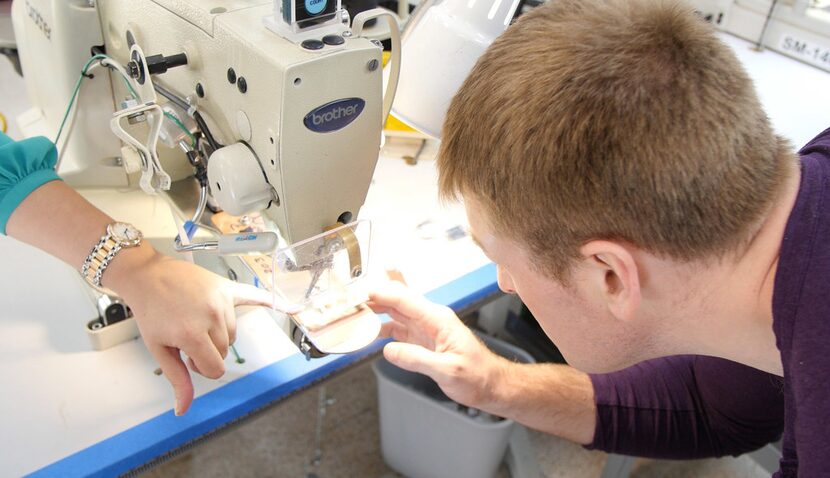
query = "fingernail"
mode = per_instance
[{"x": 176, "y": 410}]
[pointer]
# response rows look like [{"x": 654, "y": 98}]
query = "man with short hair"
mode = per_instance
[{"x": 616, "y": 165}]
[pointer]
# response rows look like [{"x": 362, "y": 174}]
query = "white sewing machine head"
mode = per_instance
[{"x": 289, "y": 105}]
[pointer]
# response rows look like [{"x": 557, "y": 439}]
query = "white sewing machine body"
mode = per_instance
[
  {"x": 315, "y": 168},
  {"x": 287, "y": 105}
]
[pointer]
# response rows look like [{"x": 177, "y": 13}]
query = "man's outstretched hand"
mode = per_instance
[{"x": 433, "y": 341}]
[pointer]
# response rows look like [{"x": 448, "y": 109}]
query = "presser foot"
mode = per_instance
[{"x": 308, "y": 349}]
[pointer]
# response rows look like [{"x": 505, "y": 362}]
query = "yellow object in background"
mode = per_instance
[
  {"x": 3, "y": 125},
  {"x": 394, "y": 124}
]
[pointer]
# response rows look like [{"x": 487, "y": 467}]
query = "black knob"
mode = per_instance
[
  {"x": 333, "y": 40},
  {"x": 158, "y": 64},
  {"x": 312, "y": 44}
]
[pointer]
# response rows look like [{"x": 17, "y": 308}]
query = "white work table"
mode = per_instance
[
  {"x": 108, "y": 412},
  {"x": 70, "y": 411}
]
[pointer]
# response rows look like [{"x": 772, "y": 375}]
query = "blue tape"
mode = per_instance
[
  {"x": 190, "y": 229},
  {"x": 141, "y": 444}
]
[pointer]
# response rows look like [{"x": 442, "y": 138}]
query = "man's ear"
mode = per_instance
[{"x": 613, "y": 274}]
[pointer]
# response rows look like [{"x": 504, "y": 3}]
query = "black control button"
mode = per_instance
[
  {"x": 333, "y": 40},
  {"x": 242, "y": 84},
  {"x": 231, "y": 76},
  {"x": 312, "y": 44}
]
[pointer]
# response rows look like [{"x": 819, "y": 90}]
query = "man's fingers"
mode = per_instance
[
  {"x": 395, "y": 297},
  {"x": 170, "y": 361},
  {"x": 382, "y": 309},
  {"x": 415, "y": 358},
  {"x": 395, "y": 330},
  {"x": 206, "y": 357},
  {"x": 394, "y": 314}
]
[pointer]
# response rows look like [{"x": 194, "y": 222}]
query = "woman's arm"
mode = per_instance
[{"x": 179, "y": 307}]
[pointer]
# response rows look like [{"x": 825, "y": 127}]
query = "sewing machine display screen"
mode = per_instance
[{"x": 310, "y": 12}]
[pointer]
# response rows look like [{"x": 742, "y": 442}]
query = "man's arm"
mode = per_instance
[
  {"x": 555, "y": 399},
  {"x": 676, "y": 407},
  {"x": 687, "y": 406},
  {"x": 431, "y": 340}
]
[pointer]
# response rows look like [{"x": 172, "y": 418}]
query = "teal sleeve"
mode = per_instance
[{"x": 24, "y": 166}]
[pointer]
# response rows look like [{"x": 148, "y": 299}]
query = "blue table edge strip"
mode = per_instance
[{"x": 147, "y": 441}]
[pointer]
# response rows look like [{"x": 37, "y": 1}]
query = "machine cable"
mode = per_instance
[{"x": 192, "y": 111}]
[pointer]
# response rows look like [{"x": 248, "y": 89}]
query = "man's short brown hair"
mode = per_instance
[{"x": 613, "y": 119}]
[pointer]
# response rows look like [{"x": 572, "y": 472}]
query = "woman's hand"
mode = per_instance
[{"x": 181, "y": 307}]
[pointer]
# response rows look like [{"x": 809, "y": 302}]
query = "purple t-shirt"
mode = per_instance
[{"x": 694, "y": 407}]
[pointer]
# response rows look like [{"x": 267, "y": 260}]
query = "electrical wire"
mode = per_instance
[
  {"x": 206, "y": 131},
  {"x": 109, "y": 62},
  {"x": 89, "y": 66},
  {"x": 192, "y": 111},
  {"x": 181, "y": 103},
  {"x": 106, "y": 61},
  {"x": 182, "y": 127},
  {"x": 194, "y": 223},
  {"x": 201, "y": 206},
  {"x": 84, "y": 73}
]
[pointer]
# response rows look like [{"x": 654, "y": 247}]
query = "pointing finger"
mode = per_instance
[{"x": 170, "y": 361}]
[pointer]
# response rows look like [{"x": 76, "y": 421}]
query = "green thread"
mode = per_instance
[
  {"x": 238, "y": 358},
  {"x": 81, "y": 77},
  {"x": 181, "y": 126}
]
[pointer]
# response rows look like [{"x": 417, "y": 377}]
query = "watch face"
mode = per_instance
[{"x": 125, "y": 233}]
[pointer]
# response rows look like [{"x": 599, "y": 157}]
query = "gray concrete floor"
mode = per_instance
[{"x": 280, "y": 442}]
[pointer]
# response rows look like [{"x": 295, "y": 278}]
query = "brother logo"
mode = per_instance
[
  {"x": 41, "y": 22},
  {"x": 333, "y": 116}
]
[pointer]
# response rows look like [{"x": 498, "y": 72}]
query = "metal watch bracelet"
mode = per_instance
[{"x": 95, "y": 279}]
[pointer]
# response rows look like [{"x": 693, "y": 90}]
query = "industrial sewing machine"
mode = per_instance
[
  {"x": 268, "y": 111},
  {"x": 273, "y": 108}
]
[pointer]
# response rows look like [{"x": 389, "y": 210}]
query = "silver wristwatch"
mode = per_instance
[{"x": 119, "y": 236}]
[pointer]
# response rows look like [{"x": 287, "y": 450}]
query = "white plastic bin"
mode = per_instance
[{"x": 424, "y": 434}]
